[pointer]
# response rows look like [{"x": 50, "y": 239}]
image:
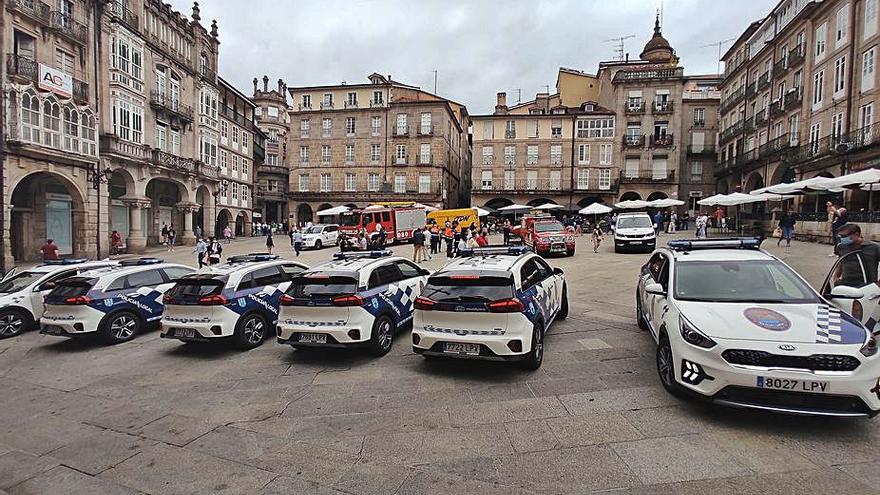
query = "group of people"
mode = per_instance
[{"x": 428, "y": 240}]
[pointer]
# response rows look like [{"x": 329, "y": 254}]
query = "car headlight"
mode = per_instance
[
  {"x": 870, "y": 347},
  {"x": 692, "y": 336}
]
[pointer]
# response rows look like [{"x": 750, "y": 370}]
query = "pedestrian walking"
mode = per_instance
[
  {"x": 598, "y": 235},
  {"x": 115, "y": 242},
  {"x": 658, "y": 222},
  {"x": 270, "y": 242},
  {"x": 227, "y": 234},
  {"x": 840, "y": 219},
  {"x": 505, "y": 230},
  {"x": 201, "y": 250},
  {"x": 786, "y": 223},
  {"x": 198, "y": 231},
  {"x": 418, "y": 242},
  {"x": 214, "y": 251},
  {"x": 49, "y": 250},
  {"x": 172, "y": 235},
  {"x": 164, "y": 233},
  {"x": 297, "y": 241}
]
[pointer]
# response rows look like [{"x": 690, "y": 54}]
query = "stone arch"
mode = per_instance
[
  {"x": 540, "y": 201},
  {"x": 754, "y": 181},
  {"x": 496, "y": 203},
  {"x": 657, "y": 195},
  {"x": 242, "y": 224},
  {"x": 351, "y": 205},
  {"x": 224, "y": 218},
  {"x": 164, "y": 194},
  {"x": 48, "y": 205},
  {"x": 783, "y": 173},
  {"x": 304, "y": 213},
  {"x": 205, "y": 200},
  {"x": 630, "y": 196},
  {"x": 723, "y": 187},
  {"x": 588, "y": 200}
]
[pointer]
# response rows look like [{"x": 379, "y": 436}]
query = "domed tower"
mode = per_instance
[
  {"x": 273, "y": 175},
  {"x": 657, "y": 50}
]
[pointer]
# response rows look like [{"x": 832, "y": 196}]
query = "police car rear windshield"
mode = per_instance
[
  {"x": 634, "y": 223},
  {"x": 19, "y": 281},
  {"x": 468, "y": 288},
  {"x": 548, "y": 227},
  {"x": 188, "y": 290},
  {"x": 72, "y": 287},
  {"x": 755, "y": 281},
  {"x": 321, "y": 285}
]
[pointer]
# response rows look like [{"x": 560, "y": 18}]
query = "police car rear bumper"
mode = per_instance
[
  {"x": 65, "y": 328},
  {"x": 486, "y": 354},
  {"x": 509, "y": 346},
  {"x": 200, "y": 332}
]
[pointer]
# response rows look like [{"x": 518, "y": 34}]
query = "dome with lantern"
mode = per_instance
[{"x": 657, "y": 49}]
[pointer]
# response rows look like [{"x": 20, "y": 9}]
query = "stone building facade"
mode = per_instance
[
  {"x": 239, "y": 157},
  {"x": 799, "y": 92},
  {"x": 380, "y": 141},
  {"x": 273, "y": 176}
]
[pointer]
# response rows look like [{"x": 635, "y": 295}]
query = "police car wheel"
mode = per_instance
[
  {"x": 640, "y": 317},
  {"x": 535, "y": 356},
  {"x": 666, "y": 367},
  {"x": 13, "y": 322},
  {"x": 120, "y": 327},
  {"x": 563, "y": 308},
  {"x": 318, "y": 244},
  {"x": 250, "y": 331},
  {"x": 381, "y": 336}
]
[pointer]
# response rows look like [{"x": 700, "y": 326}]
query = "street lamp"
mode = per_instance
[{"x": 98, "y": 177}]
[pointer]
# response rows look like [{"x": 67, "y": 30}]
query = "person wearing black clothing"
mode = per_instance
[
  {"x": 418, "y": 241},
  {"x": 215, "y": 250},
  {"x": 786, "y": 223},
  {"x": 505, "y": 229},
  {"x": 270, "y": 242},
  {"x": 849, "y": 271},
  {"x": 838, "y": 223}
]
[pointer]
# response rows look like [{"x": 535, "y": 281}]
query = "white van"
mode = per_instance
[{"x": 634, "y": 231}]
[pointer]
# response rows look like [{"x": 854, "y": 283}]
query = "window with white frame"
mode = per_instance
[
  {"x": 509, "y": 179},
  {"x": 510, "y": 129},
  {"x": 510, "y": 155},
  {"x": 556, "y": 129},
  {"x": 400, "y": 183},
  {"x": 555, "y": 180},
  {"x": 595, "y": 128},
  {"x": 161, "y": 136},
  {"x": 326, "y": 127},
  {"x": 375, "y": 126},
  {"x": 272, "y": 159},
  {"x": 304, "y": 127},
  {"x": 555, "y": 154},
  {"x": 244, "y": 194},
  {"x": 378, "y": 97},
  {"x": 699, "y": 116},
  {"x": 350, "y": 182},
  {"x": 234, "y": 165},
  {"x": 71, "y": 129},
  {"x": 424, "y": 183},
  {"x": 223, "y": 159},
  {"x": 89, "y": 135},
  {"x": 400, "y": 154},
  {"x": 224, "y": 131},
  {"x": 605, "y": 151},
  {"x": 349, "y": 153},
  {"x": 349, "y": 126},
  {"x": 325, "y": 153},
  {"x": 489, "y": 129},
  {"x": 839, "y": 76},
  {"x": 583, "y": 154},
  {"x": 271, "y": 185},
  {"x": 325, "y": 182},
  {"x": 306, "y": 101},
  {"x": 604, "y": 179},
  {"x": 866, "y": 120},
  {"x": 351, "y": 99},
  {"x": 870, "y": 19},
  {"x": 235, "y": 191},
  {"x": 425, "y": 153},
  {"x": 425, "y": 124},
  {"x": 372, "y": 182},
  {"x": 245, "y": 167},
  {"x": 820, "y": 40},
  {"x": 272, "y": 111},
  {"x": 486, "y": 180},
  {"x": 532, "y": 154},
  {"x": 818, "y": 89},
  {"x": 401, "y": 124},
  {"x": 836, "y": 126},
  {"x": 30, "y": 116},
  {"x": 583, "y": 178},
  {"x": 532, "y": 128},
  {"x": 794, "y": 130},
  {"x": 375, "y": 152},
  {"x": 815, "y": 135},
  {"x": 128, "y": 119},
  {"x": 304, "y": 154},
  {"x": 488, "y": 155},
  {"x": 842, "y": 26},
  {"x": 303, "y": 182},
  {"x": 272, "y": 136},
  {"x": 696, "y": 171},
  {"x": 868, "y": 62},
  {"x": 235, "y": 137},
  {"x": 245, "y": 141},
  {"x": 126, "y": 57},
  {"x": 532, "y": 179},
  {"x": 327, "y": 101},
  {"x": 209, "y": 149}
]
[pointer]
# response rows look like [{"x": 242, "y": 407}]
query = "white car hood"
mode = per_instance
[
  {"x": 801, "y": 323},
  {"x": 635, "y": 231}
]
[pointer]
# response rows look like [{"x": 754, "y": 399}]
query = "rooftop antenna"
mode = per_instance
[
  {"x": 435, "y": 81},
  {"x": 619, "y": 46},
  {"x": 719, "y": 44},
  {"x": 547, "y": 88},
  {"x": 518, "y": 95}
]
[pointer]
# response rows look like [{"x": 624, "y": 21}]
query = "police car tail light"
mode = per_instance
[
  {"x": 78, "y": 300},
  {"x": 350, "y": 300},
  {"x": 424, "y": 304},
  {"x": 870, "y": 347},
  {"x": 286, "y": 300},
  {"x": 506, "y": 306},
  {"x": 215, "y": 300},
  {"x": 857, "y": 310}
]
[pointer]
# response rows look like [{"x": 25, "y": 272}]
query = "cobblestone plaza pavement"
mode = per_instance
[{"x": 157, "y": 416}]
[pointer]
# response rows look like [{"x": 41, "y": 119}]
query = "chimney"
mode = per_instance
[
  {"x": 627, "y": 57},
  {"x": 501, "y": 103}
]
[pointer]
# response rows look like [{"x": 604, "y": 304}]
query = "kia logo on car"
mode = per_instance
[{"x": 787, "y": 347}]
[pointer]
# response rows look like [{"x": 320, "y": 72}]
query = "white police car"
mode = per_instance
[
  {"x": 736, "y": 325},
  {"x": 238, "y": 300},
  {"x": 493, "y": 303},
  {"x": 22, "y": 292},
  {"x": 320, "y": 235},
  {"x": 359, "y": 298},
  {"x": 115, "y": 302}
]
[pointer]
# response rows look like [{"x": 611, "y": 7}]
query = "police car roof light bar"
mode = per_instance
[
  {"x": 252, "y": 258},
  {"x": 725, "y": 243},
  {"x": 494, "y": 250},
  {"x": 141, "y": 261},
  {"x": 66, "y": 261},
  {"x": 362, "y": 254}
]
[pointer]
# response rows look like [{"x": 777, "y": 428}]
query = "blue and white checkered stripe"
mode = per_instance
[{"x": 828, "y": 325}]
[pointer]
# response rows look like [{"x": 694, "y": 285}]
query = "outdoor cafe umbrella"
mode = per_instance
[
  {"x": 631, "y": 204},
  {"x": 665, "y": 203},
  {"x": 595, "y": 209},
  {"x": 711, "y": 200},
  {"x": 549, "y": 206},
  {"x": 426, "y": 207},
  {"x": 514, "y": 208},
  {"x": 481, "y": 212}
]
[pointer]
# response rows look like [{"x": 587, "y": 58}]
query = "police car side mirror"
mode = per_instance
[
  {"x": 655, "y": 289},
  {"x": 558, "y": 271},
  {"x": 845, "y": 292}
]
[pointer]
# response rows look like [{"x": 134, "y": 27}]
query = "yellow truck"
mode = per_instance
[{"x": 464, "y": 216}]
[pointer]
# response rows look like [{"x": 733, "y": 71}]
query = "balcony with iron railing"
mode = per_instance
[
  {"x": 774, "y": 147},
  {"x": 777, "y": 108},
  {"x": 426, "y": 130},
  {"x": 401, "y": 131},
  {"x": 545, "y": 185},
  {"x": 326, "y": 105},
  {"x": 338, "y": 187},
  {"x": 794, "y": 98},
  {"x": 761, "y": 118},
  {"x": 699, "y": 124},
  {"x": 701, "y": 149},
  {"x": 121, "y": 12},
  {"x": 634, "y": 108},
  {"x": 780, "y": 68},
  {"x": 350, "y": 104},
  {"x": 302, "y": 107},
  {"x": 749, "y": 125},
  {"x": 661, "y": 141},
  {"x": 647, "y": 175},
  {"x": 764, "y": 81},
  {"x": 797, "y": 55},
  {"x": 25, "y": 69},
  {"x": 164, "y": 102},
  {"x": 509, "y": 134},
  {"x": 751, "y": 89},
  {"x": 661, "y": 107},
  {"x": 238, "y": 118},
  {"x": 648, "y": 75},
  {"x": 731, "y": 132},
  {"x": 377, "y": 104},
  {"x": 730, "y": 67},
  {"x": 66, "y": 26},
  {"x": 208, "y": 74},
  {"x": 634, "y": 141},
  {"x": 34, "y": 9},
  {"x": 732, "y": 99}
]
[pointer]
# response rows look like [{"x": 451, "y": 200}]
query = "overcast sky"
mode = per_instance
[{"x": 478, "y": 47}]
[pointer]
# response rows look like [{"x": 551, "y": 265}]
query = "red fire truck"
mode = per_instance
[
  {"x": 399, "y": 221},
  {"x": 545, "y": 235}
]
